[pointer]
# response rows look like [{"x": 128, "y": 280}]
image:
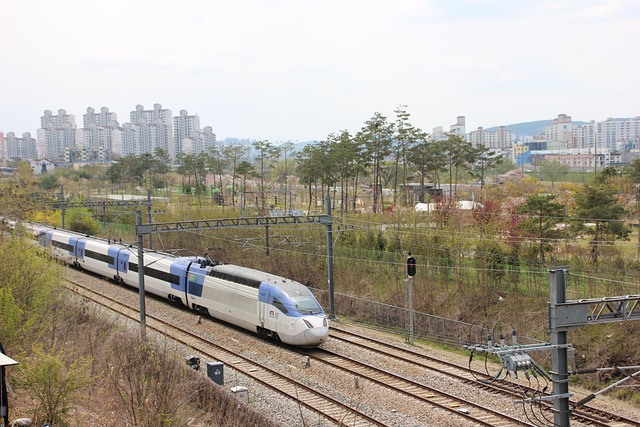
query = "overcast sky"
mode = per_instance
[{"x": 299, "y": 70}]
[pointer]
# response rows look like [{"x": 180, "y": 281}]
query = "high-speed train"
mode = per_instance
[{"x": 270, "y": 305}]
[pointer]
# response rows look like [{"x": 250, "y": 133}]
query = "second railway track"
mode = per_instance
[{"x": 587, "y": 414}]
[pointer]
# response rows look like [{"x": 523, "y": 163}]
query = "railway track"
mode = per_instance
[
  {"x": 586, "y": 414},
  {"x": 345, "y": 414},
  {"x": 413, "y": 389},
  {"x": 317, "y": 401},
  {"x": 340, "y": 413}
]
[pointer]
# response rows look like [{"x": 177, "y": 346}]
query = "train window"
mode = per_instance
[
  {"x": 279, "y": 305},
  {"x": 306, "y": 305},
  {"x": 236, "y": 279}
]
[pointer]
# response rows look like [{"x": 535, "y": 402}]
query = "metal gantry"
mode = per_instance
[
  {"x": 63, "y": 205},
  {"x": 208, "y": 224},
  {"x": 565, "y": 314},
  {"x": 597, "y": 310}
]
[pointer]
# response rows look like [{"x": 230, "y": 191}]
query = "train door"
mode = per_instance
[
  {"x": 268, "y": 316},
  {"x": 263, "y": 305},
  {"x": 123, "y": 260},
  {"x": 119, "y": 261},
  {"x": 72, "y": 246},
  {"x": 195, "y": 280},
  {"x": 179, "y": 270},
  {"x": 47, "y": 239},
  {"x": 195, "y": 285},
  {"x": 78, "y": 251}
]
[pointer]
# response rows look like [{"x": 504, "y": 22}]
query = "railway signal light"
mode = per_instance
[{"x": 411, "y": 266}]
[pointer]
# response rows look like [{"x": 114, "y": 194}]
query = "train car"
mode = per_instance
[{"x": 270, "y": 305}]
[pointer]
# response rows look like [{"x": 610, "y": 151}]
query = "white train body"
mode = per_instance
[{"x": 267, "y": 304}]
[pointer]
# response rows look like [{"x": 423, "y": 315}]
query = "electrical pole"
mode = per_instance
[
  {"x": 149, "y": 213},
  {"x": 559, "y": 360},
  {"x": 62, "y": 200},
  {"x": 141, "y": 276},
  {"x": 329, "y": 225}
]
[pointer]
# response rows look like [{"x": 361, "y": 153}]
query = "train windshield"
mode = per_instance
[{"x": 306, "y": 304}]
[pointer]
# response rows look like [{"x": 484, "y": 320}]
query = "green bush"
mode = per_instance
[
  {"x": 28, "y": 284},
  {"x": 81, "y": 220},
  {"x": 52, "y": 384}
]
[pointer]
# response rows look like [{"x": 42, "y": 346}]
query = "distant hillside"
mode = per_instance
[
  {"x": 526, "y": 128},
  {"x": 530, "y": 128}
]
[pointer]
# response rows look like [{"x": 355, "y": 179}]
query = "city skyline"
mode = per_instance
[
  {"x": 299, "y": 70},
  {"x": 61, "y": 139},
  {"x": 177, "y": 113}
]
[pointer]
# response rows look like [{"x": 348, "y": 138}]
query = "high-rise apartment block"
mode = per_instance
[
  {"x": 57, "y": 136},
  {"x": 618, "y": 134},
  {"x": 187, "y": 134},
  {"x": 100, "y": 137},
  {"x": 611, "y": 134},
  {"x": 492, "y": 139},
  {"x": 559, "y": 130},
  {"x": 3, "y": 149},
  {"x": 25, "y": 148},
  {"x": 148, "y": 130},
  {"x": 189, "y": 138},
  {"x": 583, "y": 136},
  {"x": 459, "y": 128},
  {"x": 208, "y": 137}
]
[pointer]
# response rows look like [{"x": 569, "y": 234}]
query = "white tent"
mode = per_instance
[
  {"x": 6, "y": 360},
  {"x": 463, "y": 205}
]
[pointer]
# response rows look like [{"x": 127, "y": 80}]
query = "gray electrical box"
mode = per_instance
[
  {"x": 215, "y": 371},
  {"x": 241, "y": 393}
]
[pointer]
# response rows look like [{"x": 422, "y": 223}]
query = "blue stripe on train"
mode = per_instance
[
  {"x": 194, "y": 283},
  {"x": 267, "y": 292}
]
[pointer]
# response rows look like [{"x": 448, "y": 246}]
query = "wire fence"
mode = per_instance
[{"x": 396, "y": 320}]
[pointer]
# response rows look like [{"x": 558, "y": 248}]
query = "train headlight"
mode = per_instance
[{"x": 306, "y": 322}]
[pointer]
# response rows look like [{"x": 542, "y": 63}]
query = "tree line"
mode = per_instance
[
  {"x": 383, "y": 153},
  {"x": 389, "y": 154}
]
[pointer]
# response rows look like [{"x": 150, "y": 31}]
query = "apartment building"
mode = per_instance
[
  {"x": 3, "y": 150},
  {"x": 583, "y": 136},
  {"x": 459, "y": 128},
  {"x": 618, "y": 134},
  {"x": 24, "y": 148},
  {"x": 209, "y": 138},
  {"x": 56, "y": 137},
  {"x": 148, "y": 130},
  {"x": 559, "y": 130},
  {"x": 101, "y": 136},
  {"x": 188, "y": 136},
  {"x": 498, "y": 139}
]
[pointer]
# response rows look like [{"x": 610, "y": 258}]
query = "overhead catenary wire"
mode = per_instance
[{"x": 401, "y": 263}]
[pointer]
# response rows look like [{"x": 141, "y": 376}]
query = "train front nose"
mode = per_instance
[
  {"x": 316, "y": 336},
  {"x": 318, "y": 333}
]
